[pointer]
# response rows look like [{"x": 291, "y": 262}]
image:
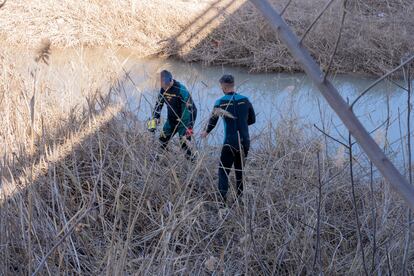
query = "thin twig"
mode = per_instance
[
  {"x": 322, "y": 119},
  {"x": 397, "y": 84},
  {"x": 316, "y": 20},
  {"x": 409, "y": 107},
  {"x": 354, "y": 200},
  {"x": 401, "y": 139},
  {"x": 409, "y": 170},
  {"x": 388, "y": 124},
  {"x": 387, "y": 252},
  {"x": 285, "y": 8},
  {"x": 326, "y": 134},
  {"x": 318, "y": 225},
  {"x": 337, "y": 40},
  {"x": 374, "y": 219},
  {"x": 366, "y": 90}
]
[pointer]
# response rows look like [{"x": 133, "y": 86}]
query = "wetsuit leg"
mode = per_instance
[
  {"x": 239, "y": 163},
  {"x": 184, "y": 141},
  {"x": 185, "y": 147},
  {"x": 166, "y": 135},
  {"x": 226, "y": 162}
]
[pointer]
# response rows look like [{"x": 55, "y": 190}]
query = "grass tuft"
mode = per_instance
[{"x": 43, "y": 52}]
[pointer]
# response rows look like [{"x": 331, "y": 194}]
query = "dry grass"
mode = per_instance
[
  {"x": 93, "y": 179},
  {"x": 375, "y": 37},
  {"x": 377, "y": 34}
]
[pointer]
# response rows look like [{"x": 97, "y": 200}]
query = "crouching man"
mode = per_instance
[{"x": 182, "y": 112}]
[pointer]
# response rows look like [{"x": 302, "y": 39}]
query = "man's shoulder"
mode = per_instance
[
  {"x": 181, "y": 88},
  {"x": 239, "y": 97},
  {"x": 176, "y": 86},
  {"x": 217, "y": 102},
  {"x": 235, "y": 97},
  {"x": 179, "y": 85},
  {"x": 221, "y": 100}
]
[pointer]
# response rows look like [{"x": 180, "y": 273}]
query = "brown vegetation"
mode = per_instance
[
  {"x": 377, "y": 34},
  {"x": 82, "y": 193}
]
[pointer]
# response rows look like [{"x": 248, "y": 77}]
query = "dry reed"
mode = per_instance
[
  {"x": 376, "y": 34},
  {"x": 103, "y": 205}
]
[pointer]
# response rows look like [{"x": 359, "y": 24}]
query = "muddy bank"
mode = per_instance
[{"x": 377, "y": 34}]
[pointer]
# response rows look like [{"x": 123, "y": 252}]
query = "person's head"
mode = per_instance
[
  {"x": 166, "y": 79},
  {"x": 227, "y": 83}
]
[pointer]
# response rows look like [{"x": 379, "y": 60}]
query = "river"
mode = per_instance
[{"x": 275, "y": 96}]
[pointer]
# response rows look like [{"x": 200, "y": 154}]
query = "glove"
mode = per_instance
[
  {"x": 189, "y": 132},
  {"x": 152, "y": 125}
]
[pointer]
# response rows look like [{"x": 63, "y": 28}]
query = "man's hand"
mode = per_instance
[
  {"x": 152, "y": 125},
  {"x": 189, "y": 132},
  {"x": 204, "y": 134}
]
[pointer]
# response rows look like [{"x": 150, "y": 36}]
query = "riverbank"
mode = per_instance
[{"x": 376, "y": 35}]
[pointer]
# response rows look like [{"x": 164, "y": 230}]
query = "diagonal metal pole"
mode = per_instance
[{"x": 334, "y": 99}]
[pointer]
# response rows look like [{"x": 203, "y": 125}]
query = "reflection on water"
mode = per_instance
[{"x": 274, "y": 96}]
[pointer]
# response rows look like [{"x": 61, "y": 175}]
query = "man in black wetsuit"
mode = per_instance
[
  {"x": 238, "y": 114},
  {"x": 182, "y": 112}
]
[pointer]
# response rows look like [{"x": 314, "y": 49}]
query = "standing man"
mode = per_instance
[
  {"x": 238, "y": 114},
  {"x": 182, "y": 112}
]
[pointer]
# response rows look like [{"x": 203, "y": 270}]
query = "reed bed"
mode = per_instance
[
  {"x": 376, "y": 34},
  {"x": 81, "y": 193}
]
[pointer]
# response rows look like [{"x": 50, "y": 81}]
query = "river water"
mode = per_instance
[{"x": 275, "y": 96}]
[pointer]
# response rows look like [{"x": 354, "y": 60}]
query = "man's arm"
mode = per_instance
[
  {"x": 156, "y": 114},
  {"x": 212, "y": 122},
  {"x": 251, "y": 119},
  {"x": 214, "y": 117}
]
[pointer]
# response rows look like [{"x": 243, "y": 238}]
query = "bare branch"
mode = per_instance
[
  {"x": 410, "y": 174},
  {"x": 327, "y": 135},
  {"x": 337, "y": 40},
  {"x": 316, "y": 19},
  {"x": 334, "y": 99},
  {"x": 354, "y": 200},
  {"x": 353, "y": 143},
  {"x": 285, "y": 8},
  {"x": 397, "y": 84},
  {"x": 2, "y": 4},
  {"x": 374, "y": 218},
  {"x": 381, "y": 79},
  {"x": 317, "y": 257}
]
